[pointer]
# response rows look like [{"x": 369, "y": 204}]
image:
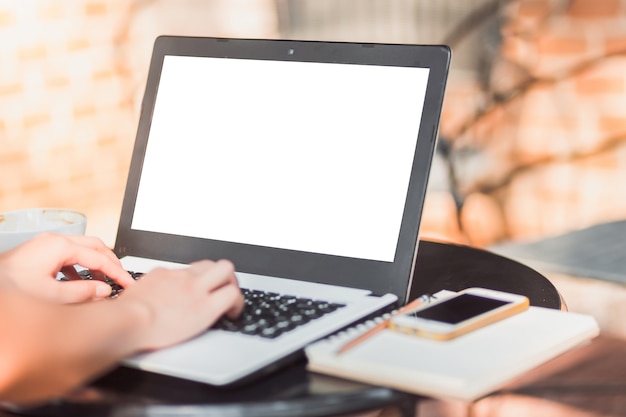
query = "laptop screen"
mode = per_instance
[
  {"x": 296, "y": 159},
  {"x": 305, "y": 156}
]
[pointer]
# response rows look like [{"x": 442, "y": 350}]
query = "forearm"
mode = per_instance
[{"x": 48, "y": 349}]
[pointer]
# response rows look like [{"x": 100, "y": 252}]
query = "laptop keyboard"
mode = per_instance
[
  {"x": 270, "y": 314},
  {"x": 265, "y": 314}
]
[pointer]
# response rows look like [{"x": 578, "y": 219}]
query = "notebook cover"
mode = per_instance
[{"x": 465, "y": 368}]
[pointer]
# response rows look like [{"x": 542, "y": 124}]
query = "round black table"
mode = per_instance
[{"x": 292, "y": 391}]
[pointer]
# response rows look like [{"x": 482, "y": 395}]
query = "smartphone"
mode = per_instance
[{"x": 461, "y": 313}]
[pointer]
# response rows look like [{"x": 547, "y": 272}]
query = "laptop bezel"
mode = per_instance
[{"x": 377, "y": 276}]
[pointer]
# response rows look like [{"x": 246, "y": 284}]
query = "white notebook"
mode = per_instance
[{"x": 465, "y": 368}]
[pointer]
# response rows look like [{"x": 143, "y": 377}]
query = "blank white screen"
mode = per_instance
[{"x": 304, "y": 156}]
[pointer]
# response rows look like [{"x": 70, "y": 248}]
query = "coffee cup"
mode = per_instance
[{"x": 16, "y": 227}]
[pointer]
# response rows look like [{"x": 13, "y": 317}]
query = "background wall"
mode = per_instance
[
  {"x": 540, "y": 145},
  {"x": 532, "y": 134},
  {"x": 66, "y": 108}
]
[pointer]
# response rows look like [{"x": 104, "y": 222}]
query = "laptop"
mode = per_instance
[{"x": 304, "y": 163}]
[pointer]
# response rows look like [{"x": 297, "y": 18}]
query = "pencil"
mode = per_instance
[{"x": 380, "y": 326}]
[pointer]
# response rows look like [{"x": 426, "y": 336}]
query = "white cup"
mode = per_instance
[{"x": 16, "y": 227}]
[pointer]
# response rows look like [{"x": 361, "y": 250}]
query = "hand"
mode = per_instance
[
  {"x": 181, "y": 303},
  {"x": 163, "y": 308},
  {"x": 33, "y": 267}
]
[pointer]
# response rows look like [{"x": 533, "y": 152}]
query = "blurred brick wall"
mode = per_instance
[
  {"x": 72, "y": 75},
  {"x": 542, "y": 150},
  {"x": 548, "y": 157},
  {"x": 65, "y": 118}
]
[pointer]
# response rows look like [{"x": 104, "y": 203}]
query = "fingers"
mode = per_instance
[
  {"x": 212, "y": 275},
  {"x": 229, "y": 300},
  {"x": 224, "y": 293},
  {"x": 221, "y": 283},
  {"x": 99, "y": 258},
  {"x": 77, "y": 291},
  {"x": 89, "y": 252}
]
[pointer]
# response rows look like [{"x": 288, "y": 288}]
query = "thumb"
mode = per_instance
[{"x": 80, "y": 291}]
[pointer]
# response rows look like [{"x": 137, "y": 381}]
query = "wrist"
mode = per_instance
[{"x": 138, "y": 317}]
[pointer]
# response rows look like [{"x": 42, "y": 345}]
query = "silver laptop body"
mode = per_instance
[{"x": 305, "y": 163}]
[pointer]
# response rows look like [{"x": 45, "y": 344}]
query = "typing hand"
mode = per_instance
[
  {"x": 34, "y": 266},
  {"x": 180, "y": 303}
]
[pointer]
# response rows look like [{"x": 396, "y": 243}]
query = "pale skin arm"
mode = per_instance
[{"x": 55, "y": 347}]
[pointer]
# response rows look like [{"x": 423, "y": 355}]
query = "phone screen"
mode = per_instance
[{"x": 458, "y": 309}]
